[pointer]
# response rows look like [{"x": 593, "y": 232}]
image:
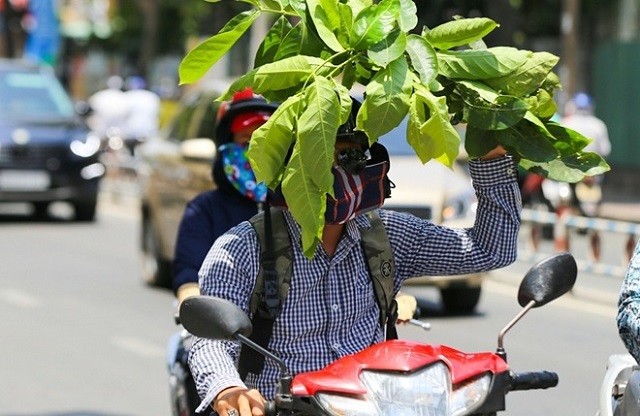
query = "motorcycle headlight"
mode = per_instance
[
  {"x": 468, "y": 396},
  {"x": 87, "y": 147},
  {"x": 425, "y": 393}
]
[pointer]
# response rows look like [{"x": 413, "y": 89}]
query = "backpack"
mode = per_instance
[{"x": 274, "y": 279}]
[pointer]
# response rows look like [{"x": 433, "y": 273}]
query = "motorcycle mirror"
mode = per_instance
[
  {"x": 548, "y": 280},
  {"x": 213, "y": 318}
]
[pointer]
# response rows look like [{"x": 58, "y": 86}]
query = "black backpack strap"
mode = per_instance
[
  {"x": 272, "y": 284},
  {"x": 377, "y": 249}
]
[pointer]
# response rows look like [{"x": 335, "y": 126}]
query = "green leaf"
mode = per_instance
[
  {"x": 364, "y": 70},
  {"x": 460, "y": 32},
  {"x": 317, "y": 128},
  {"x": 528, "y": 142},
  {"x": 542, "y": 104},
  {"x": 298, "y": 7},
  {"x": 349, "y": 74},
  {"x": 527, "y": 78},
  {"x": 570, "y": 168},
  {"x": 278, "y": 80},
  {"x": 472, "y": 64},
  {"x": 206, "y": 54},
  {"x": 423, "y": 58},
  {"x": 408, "y": 18},
  {"x": 374, "y": 23},
  {"x": 388, "y": 49},
  {"x": 272, "y": 5},
  {"x": 386, "y": 102},
  {"x": 271, "y": 142},
  {"x": 270, "y": 46},
  {"x": 312, "y": 45},
  {"x": 326, "y": 18},
  {"x": 305, "y": 201},
  {"x": 485, "y": 109},
  {"x": 288, "y": 72},
  {"x": 505, "y": 112},
  {"x": 431, "y": 134},
  {"x": 551, "y": 83},
  {"x": 346, "y": 22},
  {"x": 478, "y": 142},
  {"x": 345, "y": 103},
  {"x": 568, "y": 141}
]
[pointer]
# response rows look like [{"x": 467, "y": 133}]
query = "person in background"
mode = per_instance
[
  {"x": 143, "y": 117},
  {"x": 628, "y": 318},
  {"x": 237, "y": 196},
  {"x": 109, "y": 110},
  {"x": 579, "y": 116}
]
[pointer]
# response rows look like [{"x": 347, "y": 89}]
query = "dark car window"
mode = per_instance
[
  {"x": 179, "y": 130},
  {"x": 27, "y": 95},
  {"x": 203, "y": 123},
  {"x": 207, "y": 122}
]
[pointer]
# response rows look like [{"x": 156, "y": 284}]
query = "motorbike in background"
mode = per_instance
[
  {"x": 620, "y": 390},
  {"x": 582, "y": 198},
  {"x": 397, "y": 376}
]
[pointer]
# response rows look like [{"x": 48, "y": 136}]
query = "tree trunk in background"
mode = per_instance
[
  {"x": 569, "y": 27},
  {"x": 149, "y": 12}
]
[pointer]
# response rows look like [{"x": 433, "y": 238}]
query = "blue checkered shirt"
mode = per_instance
[
  {"x": 331, "y": 309},
  {"x": 629, "y": 306}
]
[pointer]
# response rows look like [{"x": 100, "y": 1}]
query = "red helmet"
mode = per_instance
[{"x": 243, "y": 110}]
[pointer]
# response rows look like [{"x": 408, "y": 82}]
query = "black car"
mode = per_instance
[{"x": 47, "y": 153}]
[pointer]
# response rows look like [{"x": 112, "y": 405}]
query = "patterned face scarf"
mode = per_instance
[
  {"x": 239, "y": 173},
  {"x": 354, "y": 193}
]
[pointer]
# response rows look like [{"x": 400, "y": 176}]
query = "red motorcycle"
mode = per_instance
[{"x": 398, "y": 377}]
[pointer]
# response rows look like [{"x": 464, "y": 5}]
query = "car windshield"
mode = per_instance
[{"x": 32, "y": 95}]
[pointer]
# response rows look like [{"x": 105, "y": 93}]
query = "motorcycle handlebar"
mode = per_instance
[
  {"x": 270, "y": 408},
  {"x": 534, "y": 380}
]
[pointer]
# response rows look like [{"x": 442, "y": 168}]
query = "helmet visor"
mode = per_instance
[{"x": 249, "y": 119}]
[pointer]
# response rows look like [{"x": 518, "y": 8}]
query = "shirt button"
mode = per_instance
[
  {"x": 336, "y": 347},
  {"x": 335, "y": 308},
  {"x": 510, "y": 171}
]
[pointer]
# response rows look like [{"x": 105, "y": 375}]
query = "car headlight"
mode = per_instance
[
  {"x": 425, "y": 393},
  {"x": 87, "y": 147}
]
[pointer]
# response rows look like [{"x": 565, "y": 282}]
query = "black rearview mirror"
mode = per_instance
[
  {"x": 548, "y": 280},
  {"x": 213, "y": 318}
]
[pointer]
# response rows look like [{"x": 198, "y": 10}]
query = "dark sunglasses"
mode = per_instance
[{"x": 352, "y": 160}]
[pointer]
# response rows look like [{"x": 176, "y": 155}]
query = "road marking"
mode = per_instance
[
  {"x": 19, "y": 298},
  {"x": 138, "y": 346},
  {"x": 567, "y": 301}
]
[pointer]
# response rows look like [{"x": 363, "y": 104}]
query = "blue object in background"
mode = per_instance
[{"x": 43, "y": 40}]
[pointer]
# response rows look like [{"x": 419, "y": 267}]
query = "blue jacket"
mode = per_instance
[{"x": 206, "y": 217}]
